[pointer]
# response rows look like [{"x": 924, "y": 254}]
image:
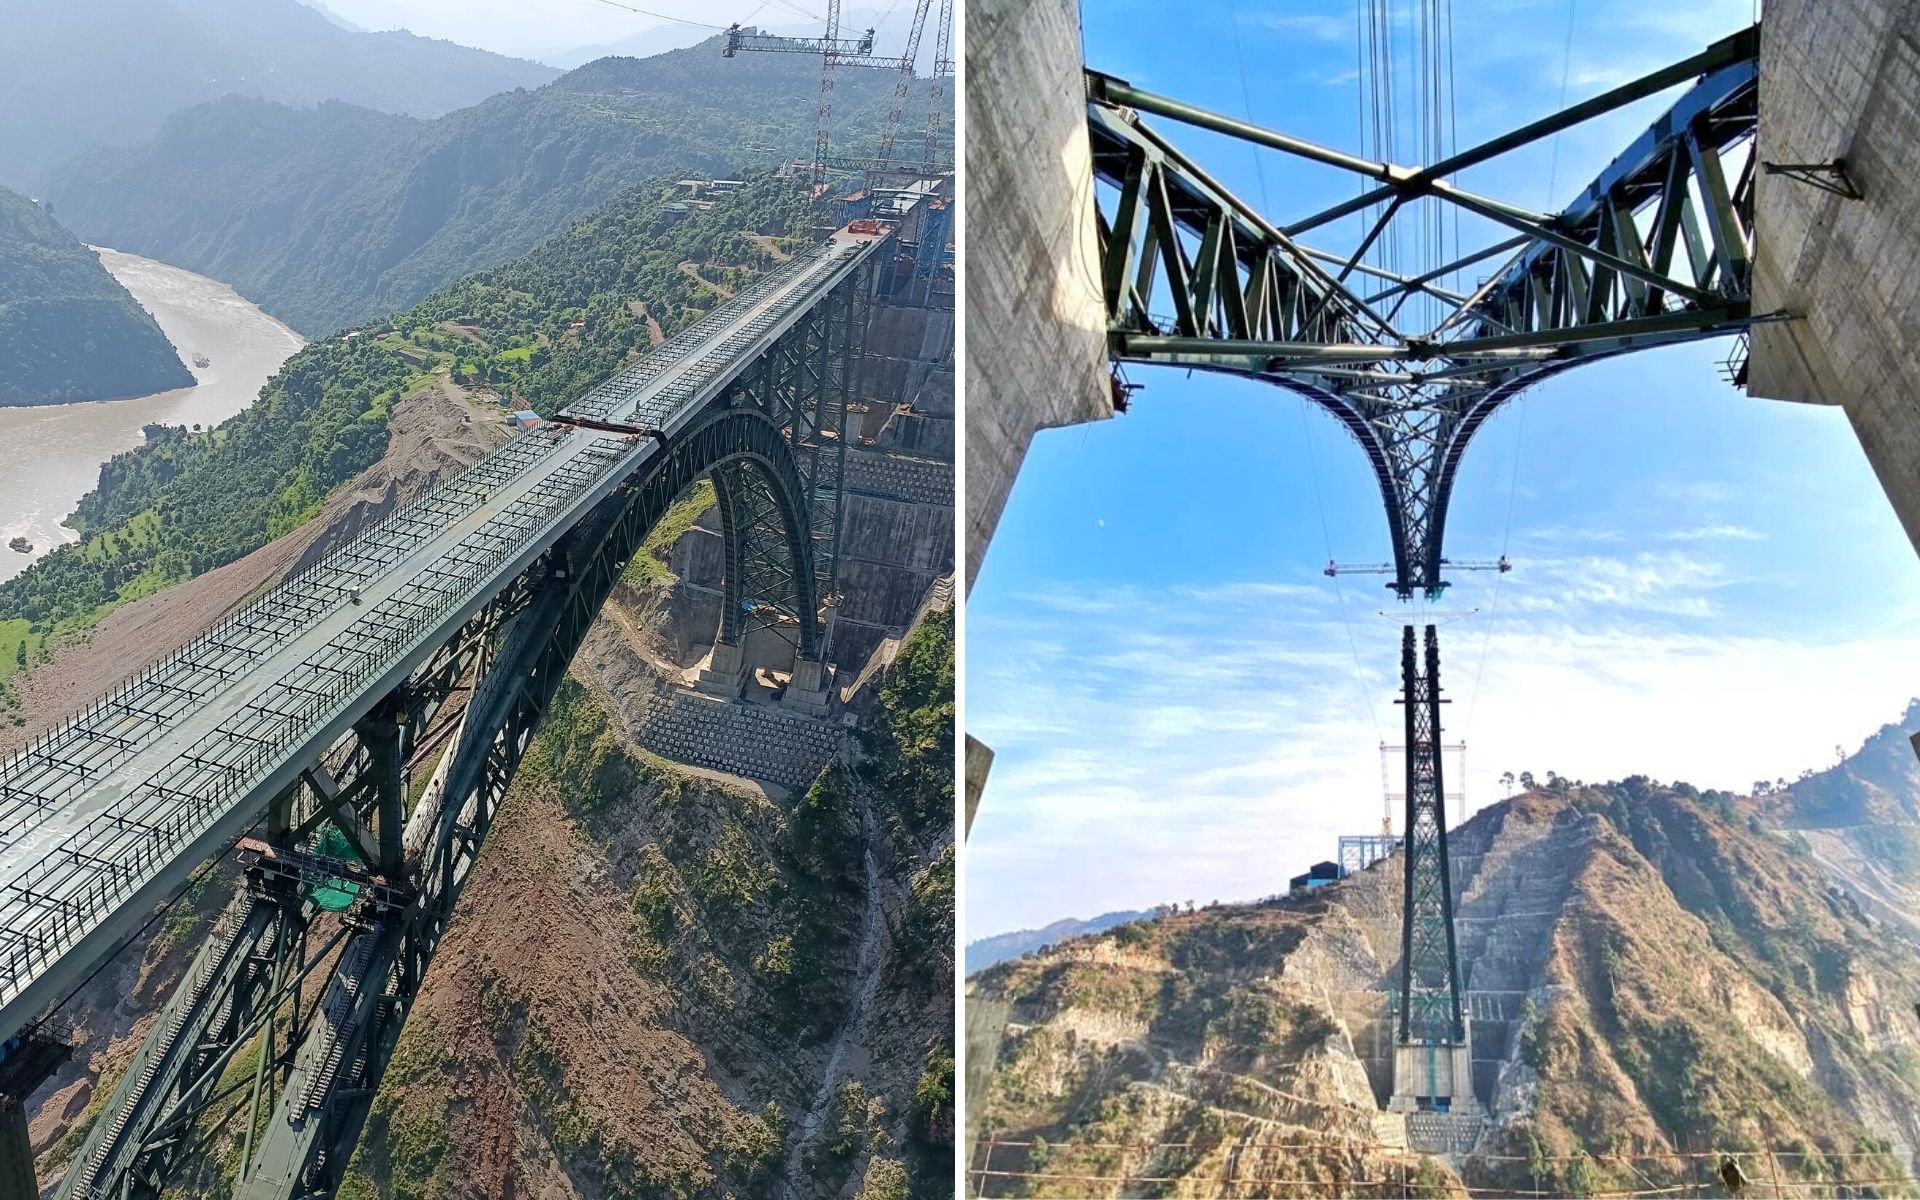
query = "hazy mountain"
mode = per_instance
[
  {"x": 1650, "y": 970},
  {"x": 988, "y": 951},
  {"x": 333, "y": 16},
  {"x": 107, "y": 72},
  {"x": 331, "y": 216},
  {"x": 68, "y": 330}
]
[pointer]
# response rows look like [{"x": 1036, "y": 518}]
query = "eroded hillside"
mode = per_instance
[
  {"x": 662, "y": 984},
  {"x": 1655, "y": 977}
]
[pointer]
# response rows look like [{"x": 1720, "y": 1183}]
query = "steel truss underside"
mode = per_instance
[{"x": 1655, "y": 251}]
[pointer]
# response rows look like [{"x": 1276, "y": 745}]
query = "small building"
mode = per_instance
[
  {"x": 526, "y": 418},
  {"x": 1319, "y": 875}
]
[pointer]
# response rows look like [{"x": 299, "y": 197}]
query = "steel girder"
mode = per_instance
[
  {"x": 1429, "y": 995},
  {"x": 1655, "y": 251},
  {"x": 321, "y": 998}
]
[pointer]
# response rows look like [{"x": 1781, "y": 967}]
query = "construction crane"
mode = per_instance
[
  {"x": 833, "y": 50},
  {"x": 905, "y": 84}
]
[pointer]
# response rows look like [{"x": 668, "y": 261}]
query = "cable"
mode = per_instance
[
  {"x": 658, "y": 15},
  {"x": 1246, "y": 103},
  {"x": 1566, "y": 62}
]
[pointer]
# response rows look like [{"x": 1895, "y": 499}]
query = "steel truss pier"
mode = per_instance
[
  {"x": 436, "y": 638},
  {"x": 1430, "y": 1037}
]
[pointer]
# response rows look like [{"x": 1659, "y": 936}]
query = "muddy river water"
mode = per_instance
[{"x": 50, "y": 455}]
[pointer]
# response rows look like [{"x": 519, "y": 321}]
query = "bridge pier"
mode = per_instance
[
  {"x": 725, "y": 672},
  {"x": 380, "y": 733},
  {"x": 1836, "y": 83},
  {"x": 16, "y": 1151},
  {"x": 810, "y": 690}
]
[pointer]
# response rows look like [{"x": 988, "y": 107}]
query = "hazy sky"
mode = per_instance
[
  {"x": 527, "y": 28},
  {"x": 1706, "y": 587}
]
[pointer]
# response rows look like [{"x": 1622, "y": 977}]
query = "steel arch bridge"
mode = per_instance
[
  {"x": 438, "y": 636},
  {"x": 1655, "y": 251}
]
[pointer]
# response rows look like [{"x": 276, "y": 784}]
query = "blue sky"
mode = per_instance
[{"x": 1706, "y": 587}]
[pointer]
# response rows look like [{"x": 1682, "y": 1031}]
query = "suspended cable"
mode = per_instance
[
  {"x": 660, "y": 16},
  {"x": 1520, "y": 430}
]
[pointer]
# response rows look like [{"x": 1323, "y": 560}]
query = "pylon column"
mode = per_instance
[{"x": 1432, "y": 1059}]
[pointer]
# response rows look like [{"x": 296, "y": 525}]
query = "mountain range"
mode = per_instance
[
  {"x": 81, "y": 73},
  {"x": 987, "y": 951},
  {"x": 334, "y": 215}
]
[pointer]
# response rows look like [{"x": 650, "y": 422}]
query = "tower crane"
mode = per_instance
[
  {"x": 901, "y": 88},
  {"x": 834, "y": 50}
]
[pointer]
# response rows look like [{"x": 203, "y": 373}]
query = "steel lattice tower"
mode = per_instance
[{"x": 1429, "y": 996}]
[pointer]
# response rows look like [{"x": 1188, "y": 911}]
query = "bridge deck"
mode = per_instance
[{"x": 105, "y": 815}]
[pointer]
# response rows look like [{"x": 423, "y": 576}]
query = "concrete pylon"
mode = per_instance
[
  {"x": 810, "y": 690},
  {"x": 725, "y": 671},
  {"x": 16, "y": 1152}
]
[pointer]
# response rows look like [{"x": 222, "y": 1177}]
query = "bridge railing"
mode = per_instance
[
  {"x": 47, "y": 908},
  {"x": 72, "y": 755}
]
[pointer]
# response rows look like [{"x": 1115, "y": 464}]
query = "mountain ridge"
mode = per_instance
[
  {"x": 1656, "y": 974},
  {"x": 69, "y": 332},
  {"x": 336, "y": 215}
]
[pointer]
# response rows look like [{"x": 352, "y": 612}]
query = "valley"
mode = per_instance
[{"x": 745, "y": 988}]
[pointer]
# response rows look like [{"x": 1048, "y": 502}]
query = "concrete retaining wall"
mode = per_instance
[{"x": 756, "y": 741}]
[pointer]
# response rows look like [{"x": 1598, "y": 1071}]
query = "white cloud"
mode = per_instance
[
  {"x": 1209, "y": 740},
  {"x": 1315, "y": 27}
]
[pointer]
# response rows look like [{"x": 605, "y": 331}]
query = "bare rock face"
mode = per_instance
[{"x": 1655, "y": 977}]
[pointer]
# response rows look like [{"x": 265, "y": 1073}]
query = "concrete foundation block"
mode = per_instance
[
  {"x": 724, "y": 673},
  {"x": 811, "y": 689}
]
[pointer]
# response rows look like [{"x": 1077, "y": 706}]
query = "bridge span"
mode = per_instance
[{"x": 457, "y": 613}]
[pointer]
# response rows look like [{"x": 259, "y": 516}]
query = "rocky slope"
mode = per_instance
[
  {"x": 729, "y": 992},
  {"x": 1656, "y": 976},
  {"x": 68, "y": 330}
]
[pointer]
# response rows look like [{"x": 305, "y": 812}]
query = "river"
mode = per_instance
[{"x": 50, "y": 455}]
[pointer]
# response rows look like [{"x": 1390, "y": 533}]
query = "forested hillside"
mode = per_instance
[
  {"x": 537, "y": 331},
  {"x": 75, "y": 73},
  {"x": 331, "y": 217},
  {"x": 68, "y": 330}
]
